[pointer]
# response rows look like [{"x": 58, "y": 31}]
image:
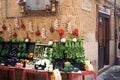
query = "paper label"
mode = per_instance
[{"x": 57, "y": 74}]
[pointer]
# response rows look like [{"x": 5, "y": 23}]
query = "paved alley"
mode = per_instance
[{"x": 112, "y": 73}]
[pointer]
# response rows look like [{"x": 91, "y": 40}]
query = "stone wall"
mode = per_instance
[
  {"x": 112, "y": 51},
  {"x": 118, "y": 32},
  {"x": 91, "y": 52},
  {"x": 112, "y": 41},
  {"x": 69, "y": 10}
]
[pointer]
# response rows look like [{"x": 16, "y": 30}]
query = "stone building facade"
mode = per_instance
[{"x": 83, "y": 15}]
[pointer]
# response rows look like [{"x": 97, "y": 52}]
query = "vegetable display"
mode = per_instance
[{"x": 69, "y": 49}]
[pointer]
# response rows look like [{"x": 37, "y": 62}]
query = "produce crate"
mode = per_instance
[
  {"x": 78, "y": 65},
  {"x": 58, "y": 64},
  {"x": 30, "y": 46}
]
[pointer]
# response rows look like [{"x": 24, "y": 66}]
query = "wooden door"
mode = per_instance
[
  {"x": 100, "y": 43},
  {"x": 106, "y": 40},
  {"x": 103, "y": 41}
]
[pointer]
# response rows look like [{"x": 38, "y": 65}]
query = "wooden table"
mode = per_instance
[
  {"x": 70, "y": 75},
  {"x": 5, "y": 68},
  {"x": 83, "y": 74},
  {"x": 26, "y": 71}
]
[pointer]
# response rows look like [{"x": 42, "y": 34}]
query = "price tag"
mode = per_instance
[{"x": 57, "y": 74}]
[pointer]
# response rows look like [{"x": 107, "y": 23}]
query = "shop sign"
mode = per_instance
[
  {"x": 86, "y": 5},
  {"x": 104, "y": 10}
]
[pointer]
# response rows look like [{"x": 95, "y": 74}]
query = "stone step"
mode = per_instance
[
  {"x": 116, "y": 74},
  {"x": 112, "y": 73},
  {"x": 111, "y": 78}
]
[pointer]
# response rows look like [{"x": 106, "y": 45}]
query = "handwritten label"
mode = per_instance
[{"x": 57, "y": 74}]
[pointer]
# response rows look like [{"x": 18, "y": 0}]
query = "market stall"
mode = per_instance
[
  {"x": 44, "y": 46},
  {"x": 66, "y": 55}
]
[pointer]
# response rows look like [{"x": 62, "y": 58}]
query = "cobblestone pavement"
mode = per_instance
[{"x": 113, "y": 73}]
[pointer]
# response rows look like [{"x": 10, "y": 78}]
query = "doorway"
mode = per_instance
[{"x": 103, "y": 40}]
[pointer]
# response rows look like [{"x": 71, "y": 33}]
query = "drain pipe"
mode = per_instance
[{"x": 115, "y": 33}]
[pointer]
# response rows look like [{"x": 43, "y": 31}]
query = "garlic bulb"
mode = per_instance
[
  {"x": 16, "y": 23},
  {"x": 43, "y": 33},
  {"x": 69, "y": 28},
  {"x": 63, "y": 40},
  {"x": 74, "y": 40},
  {"x": 50, "y": 43},
  {"x": 56, "y": 24},
  {"x": 9, "y": 30},
  {"x": 30, "y": 26}
]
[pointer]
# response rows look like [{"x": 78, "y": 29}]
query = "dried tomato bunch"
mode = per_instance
[
  {"x": 52, "y": 29},
  {"x": 14, "y": 34},
  {"x": 61, "y": 32},
  {"x": 37, "y": 33},
  {"x": 75, "y": 32},
  {"x": 4, "y": 27}
]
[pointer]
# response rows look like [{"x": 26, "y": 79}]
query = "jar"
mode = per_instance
[{"x": 53, "y": 7}]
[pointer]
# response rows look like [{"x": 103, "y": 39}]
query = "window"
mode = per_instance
[
  {"x": 31, "y": 8},
  {"x": 38, "y": 4}
]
